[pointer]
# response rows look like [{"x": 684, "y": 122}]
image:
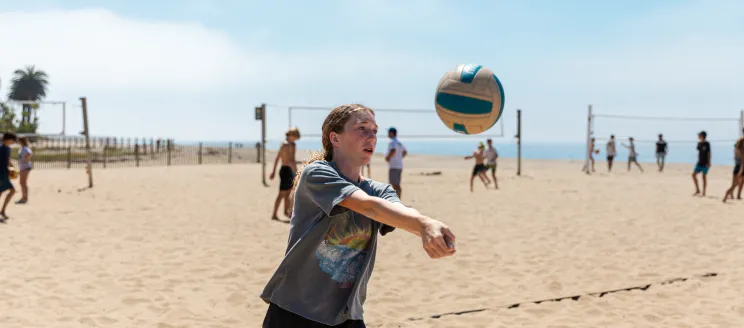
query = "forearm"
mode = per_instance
[
  {"x": 397, "y": 215},
  {"x": 393, "y": 214}
]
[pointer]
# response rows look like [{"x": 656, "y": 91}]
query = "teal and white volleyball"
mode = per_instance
[{"x": 469, "y": 99}]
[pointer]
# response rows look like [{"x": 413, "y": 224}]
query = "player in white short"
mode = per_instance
[{"x": 491, "y": 155}]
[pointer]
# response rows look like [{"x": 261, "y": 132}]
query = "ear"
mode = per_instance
[{"x": 334, "y": 137}]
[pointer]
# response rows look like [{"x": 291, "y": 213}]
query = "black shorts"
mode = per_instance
[
  {"x": 286, "y": 178},
  {"x": 478, "y": 168},
  {"x": 277, "y": 317},
  {"x": 610, "y": 158},
  {"x": 737, "y": 169}
]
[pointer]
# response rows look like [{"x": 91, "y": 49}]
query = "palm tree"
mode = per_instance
[{"x": 28, "y": 84}]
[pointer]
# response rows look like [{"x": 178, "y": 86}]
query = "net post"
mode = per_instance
[
  {"x": 587, "y": 165},
  {"x": 289, "y": 114},
  {"x": 519, "y": 142},
  {"x": 64, "y": 115},
  {"x": 261, "y": 115},
  {"x": 86, "y": 133}
]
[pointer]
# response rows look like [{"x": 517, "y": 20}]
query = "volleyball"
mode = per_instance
[
  {"x": 469, "y": 99},
  {"x": 12, "y": 172}
]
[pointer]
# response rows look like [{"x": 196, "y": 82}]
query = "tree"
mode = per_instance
[
  {"x": 7, "y": 119},
  {"x": 28, "y": 84}
]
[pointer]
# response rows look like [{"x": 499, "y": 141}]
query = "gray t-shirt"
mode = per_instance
[
  {"x": 331, "y": 252},
  {"x": 24, "y": 165}
]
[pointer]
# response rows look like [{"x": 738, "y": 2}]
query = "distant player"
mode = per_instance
[
  {"x": 5, "y": 163},
  {"x": 286, "y": 154},
  {"x": 394, "y": 157},
  {"x": 703, "y": 163},
  {"x": 611, "y": 151},
  {"x": 632, "y": 154},
  {"x": 479, "y": 169},
  {"x": 661, "y": 152},
  {"x": 592, "y": 150},
  {"x": 738, "y": 176},
  {"x": 491, "y": 156}
]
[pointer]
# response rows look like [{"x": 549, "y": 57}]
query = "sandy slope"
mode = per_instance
[{"x": 193, "y": 247}]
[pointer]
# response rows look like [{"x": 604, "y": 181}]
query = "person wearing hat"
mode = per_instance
[
  {"x": 703, "y": 163},
  {"x": 394, "y": 158},
  {"x": 479, "y": 169}
]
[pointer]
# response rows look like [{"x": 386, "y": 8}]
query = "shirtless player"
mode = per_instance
[
  {"x": 479, "y": 169},
  {"x": 286, "y": 172}
]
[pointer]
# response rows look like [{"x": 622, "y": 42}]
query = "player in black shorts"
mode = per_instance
[
  {"x": 480, "y": 168},
  {"x": 286, "y": 155}
]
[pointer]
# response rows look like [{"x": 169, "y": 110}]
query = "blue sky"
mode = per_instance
[{"x": 195, "y": 69}]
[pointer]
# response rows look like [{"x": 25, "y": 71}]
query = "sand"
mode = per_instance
[{"x": 193, "y": 246}]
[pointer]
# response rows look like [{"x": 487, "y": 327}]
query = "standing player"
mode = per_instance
[
  {"x": 394, "y": 157},
  {"x": 286, "y": 154},
  {"x": 703, "y": 163},
  {"x": 479, "y": 169},
  {"x": 5, "y": 163},
  {"x": 738, "y": 176},
  {"x": 611, "y": 151},
  {"x": 661, "y": 152},
  {"x": 632, "y": 154},
  {"x": 491, "y": 156}
]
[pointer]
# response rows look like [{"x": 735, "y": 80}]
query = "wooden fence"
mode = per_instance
[{"x": 69, "y": 152}]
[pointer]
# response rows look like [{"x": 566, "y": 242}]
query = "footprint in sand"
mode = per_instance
[
  {"x": 555, "y": 286},
  {"x": 236, "y": 299},
  {"x": 134, "y": 301}
]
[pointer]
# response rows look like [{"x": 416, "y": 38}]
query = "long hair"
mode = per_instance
[
  {"x": 334, "y": 122},
  {"x": 23, "y": 141}
]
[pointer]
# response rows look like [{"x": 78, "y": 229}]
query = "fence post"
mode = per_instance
[
  {"x": 136, "y": 153},
  {"x": 200, "y": 153},
  {"x": 229, "y": 153},
  {"x": 105, "y": 154},
  {"x": 258, "y": 152},
  {"x": 168, "y": 150},
  {"x": 69, "y": 157}
]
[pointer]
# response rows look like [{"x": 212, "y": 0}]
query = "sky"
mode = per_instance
[{"x": 195, "y": 69}]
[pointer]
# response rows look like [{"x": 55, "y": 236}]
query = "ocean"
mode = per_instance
[{"x": 685, "y": 153}]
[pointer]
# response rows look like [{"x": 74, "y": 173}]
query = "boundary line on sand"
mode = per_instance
[{"x": 574, "y": 297}]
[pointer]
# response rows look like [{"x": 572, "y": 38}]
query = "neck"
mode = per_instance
[{"x": 347, "y": 168}]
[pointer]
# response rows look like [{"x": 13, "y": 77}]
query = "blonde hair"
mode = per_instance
[
  {"x": 334, "y": 122},
  {"x": 293, "y": 131}
]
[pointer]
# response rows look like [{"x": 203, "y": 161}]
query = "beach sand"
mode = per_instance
[{"x": 193, "y": 246}]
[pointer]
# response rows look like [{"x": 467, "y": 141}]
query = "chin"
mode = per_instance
[{"x": 366, "y": 159}]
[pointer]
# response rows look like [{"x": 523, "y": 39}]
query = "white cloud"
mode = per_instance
[{"x": 140, "y": 73}]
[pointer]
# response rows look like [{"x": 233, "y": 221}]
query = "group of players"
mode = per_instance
[
  {"x": 701, "y": 167},
  {"x": 286, "y": 155},
  {"x": 485, "y": 157}
]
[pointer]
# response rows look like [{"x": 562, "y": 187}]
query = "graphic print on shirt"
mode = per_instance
[{"x": 341, "y": 255}]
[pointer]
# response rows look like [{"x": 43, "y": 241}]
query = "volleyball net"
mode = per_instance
[
  {"x": 410, "y": 123},
  {"x": 646, "y": 129}
]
